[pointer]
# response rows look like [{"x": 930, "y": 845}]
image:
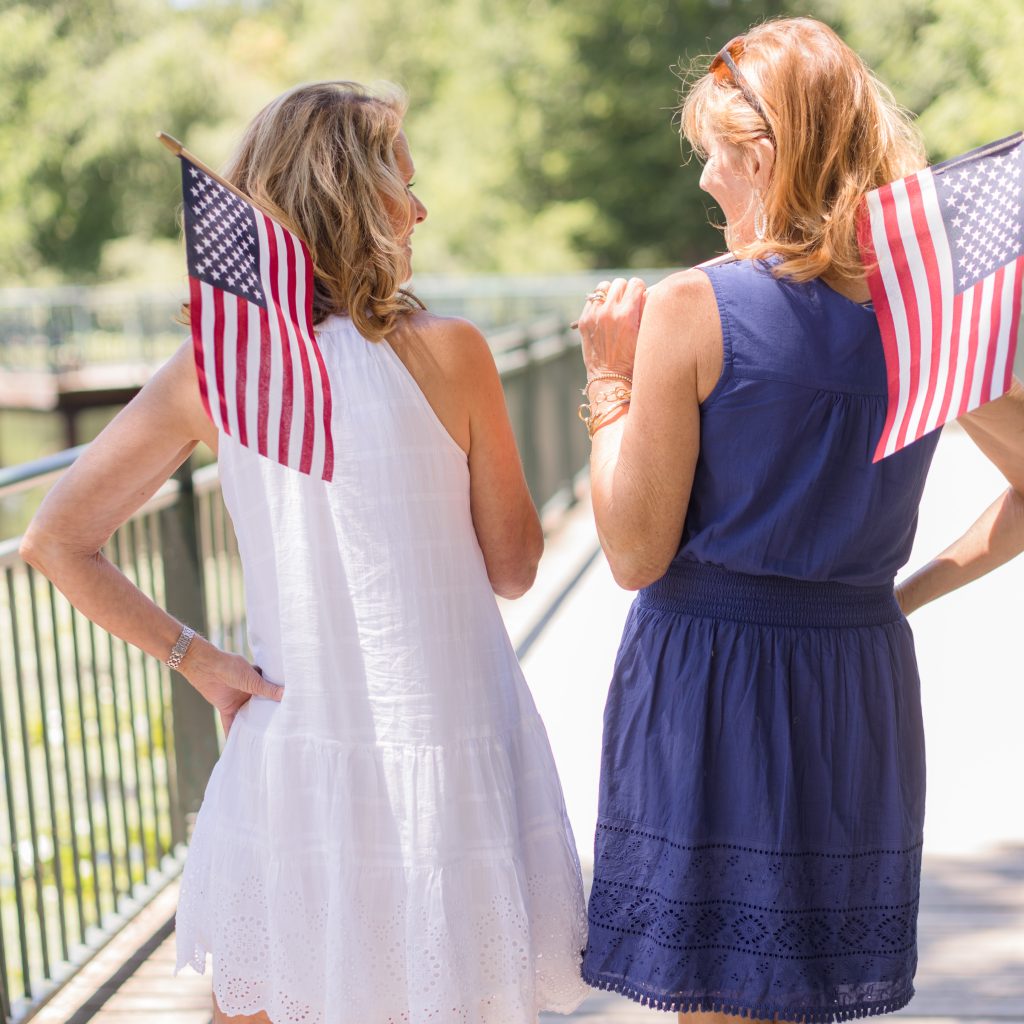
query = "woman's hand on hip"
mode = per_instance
[
  {"x": 227, "y": 681},
  {"x": 609, "y": 325}
]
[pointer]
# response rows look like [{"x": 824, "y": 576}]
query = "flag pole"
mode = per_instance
[{"x": 179, "y": 150}]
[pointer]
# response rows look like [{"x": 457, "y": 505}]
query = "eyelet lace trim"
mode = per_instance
[
  {"x": 811, "y": 936},
  {"x": 471, "y": 943}
]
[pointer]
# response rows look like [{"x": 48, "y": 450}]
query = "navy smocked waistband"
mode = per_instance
[{"x": 709, "y": 591}]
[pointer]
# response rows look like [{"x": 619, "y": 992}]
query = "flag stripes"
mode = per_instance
[
  {"x": 262, "y": 377},
  {"x": 948, "y": 327},
  {"x": 252, "y": 390}
]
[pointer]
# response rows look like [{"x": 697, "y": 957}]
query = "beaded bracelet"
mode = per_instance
[{"x": 606, "y": 376}]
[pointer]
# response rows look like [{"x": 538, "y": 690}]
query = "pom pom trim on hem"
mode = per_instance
[{"x": 754, "y": 1011}]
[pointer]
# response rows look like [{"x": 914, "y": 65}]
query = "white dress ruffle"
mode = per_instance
[{"x": 388, "y": 844}]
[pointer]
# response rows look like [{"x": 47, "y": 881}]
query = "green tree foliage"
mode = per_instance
[
  {"x": 542, "y": 129},
  {"x": 619, "y": 143},
  {"x": 955, "y": 63},
  {"x": 479, "y": 75},
  {"x": 81, "y": 94}
]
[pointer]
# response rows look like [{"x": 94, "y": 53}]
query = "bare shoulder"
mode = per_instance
[
  {"x": 681, "y": 323},
  {"x": 176, "y": 386},
  {"x": 687, "y": 286},
  {"x": 684, "y": 302},
  {"x": 442, "y": 332},
  {"x": 450, "y": 361},
  {"x": 452, "y": 345}
]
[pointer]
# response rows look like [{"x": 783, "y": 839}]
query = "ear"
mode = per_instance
[{"x": 764, "y": 162}]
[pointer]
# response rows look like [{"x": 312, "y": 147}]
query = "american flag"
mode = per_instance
[
  {"x": 261, "y": 373},
  {"x": 944, "y": 251}
]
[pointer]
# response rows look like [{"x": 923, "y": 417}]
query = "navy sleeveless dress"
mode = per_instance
[{"x": 758, "y": 846}]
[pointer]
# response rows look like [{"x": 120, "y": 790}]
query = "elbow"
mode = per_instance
[
  {"x": 514, "y": 581},
  {"x": 33, "y": 549},
  {"x": 634, "y": 571},
  {"x": 514, "y": 587},
  {"x": 514, "y": 578},
  {"x": 629, "y": 578},
  {"x": 43, "y": 551}
]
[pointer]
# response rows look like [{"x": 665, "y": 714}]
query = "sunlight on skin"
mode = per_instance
[{"x": 255, "y": 1018}]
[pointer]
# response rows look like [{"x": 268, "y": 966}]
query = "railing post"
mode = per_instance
[
  {"x": 195, "y": 733},
  {"x": 5, "y": 995},
  {"x": 570, "y": 372},
  {"x": 528, "y": 427}
]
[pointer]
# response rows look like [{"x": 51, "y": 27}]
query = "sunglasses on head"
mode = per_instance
[{"x": 724, "y": 64}]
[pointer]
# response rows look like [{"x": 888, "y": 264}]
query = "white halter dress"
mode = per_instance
[{"x": 388, "y": 844}]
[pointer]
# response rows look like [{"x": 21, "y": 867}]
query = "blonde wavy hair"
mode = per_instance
[
  {"x": 320, "y": 159},
  {"x": 838, "y": 134}
]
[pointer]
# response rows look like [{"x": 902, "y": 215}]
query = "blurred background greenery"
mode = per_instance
[
  {"x": 542, "y": 129},
  {"x": 543, "y": 133}
]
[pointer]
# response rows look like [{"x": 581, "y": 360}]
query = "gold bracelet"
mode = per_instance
[
  {"x": 617, "y": 394},
  {"x": 605, "y": 376},
  {"x": 609, "y": 415},
  {"x": 594, "y": 421}
]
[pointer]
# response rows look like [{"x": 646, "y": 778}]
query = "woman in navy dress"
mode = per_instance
[{"x": 758, "y": 847}]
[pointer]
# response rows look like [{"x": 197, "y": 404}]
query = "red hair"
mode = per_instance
[{"x": 838, "y": 132}]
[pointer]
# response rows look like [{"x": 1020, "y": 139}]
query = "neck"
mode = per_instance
[{"x": 854, "y": 288}]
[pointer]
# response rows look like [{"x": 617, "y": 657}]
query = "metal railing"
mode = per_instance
[
  {"x": 542, "y": 370},
  {"x": 105, "y": 755},
  {"x": 65, "y": 328}
]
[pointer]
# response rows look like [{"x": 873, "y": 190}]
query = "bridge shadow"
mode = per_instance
[{"x": 971, "y": 936}]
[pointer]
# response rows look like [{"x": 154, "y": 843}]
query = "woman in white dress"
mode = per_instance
[{"x": 383, "y": 840}]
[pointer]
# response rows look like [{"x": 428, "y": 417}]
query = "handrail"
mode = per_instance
[{"x": 39, "y": 471}]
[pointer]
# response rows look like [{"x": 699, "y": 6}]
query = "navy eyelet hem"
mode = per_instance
[{"x": 757, "y": 1011}]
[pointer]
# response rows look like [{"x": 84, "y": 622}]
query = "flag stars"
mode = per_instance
[{"x": 222, "y": 241}]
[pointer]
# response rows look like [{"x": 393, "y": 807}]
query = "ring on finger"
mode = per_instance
[{"x": 598, "y": 295}]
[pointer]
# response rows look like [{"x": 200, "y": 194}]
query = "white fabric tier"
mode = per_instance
[
  {"x": 436, "y": 884},
  {"x": 388, "y": 844}
]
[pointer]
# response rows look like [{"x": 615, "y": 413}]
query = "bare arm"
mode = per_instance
[
  {"x": 504, "y": 516},
  {"x": 117, "y": 474},
  {"x": 453, "y": 365},
  {"x": 642, "y": 464},
  {"x": 998, "y": 535}
]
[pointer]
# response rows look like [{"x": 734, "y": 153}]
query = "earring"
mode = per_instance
[{"x": 760, "y": 217}]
